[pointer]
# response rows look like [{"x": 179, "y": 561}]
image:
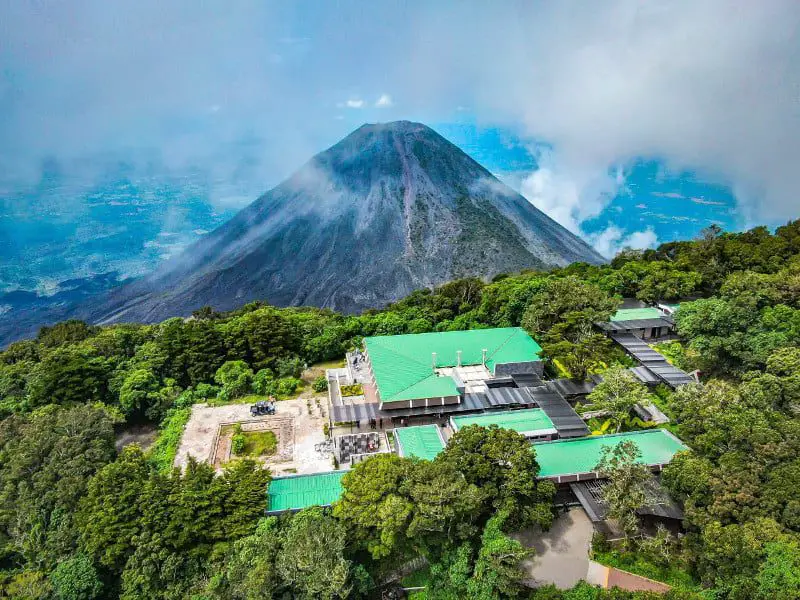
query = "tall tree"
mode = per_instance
[
  {"x": 312, "y": 561},
  {"x": 624, "y": 492},
  {"x": 617, "y": 394},
  {"x": 374, "y": 505},
  {"x": 48, "y": 459},
  {"x": 501, "y": 463},
  {"x": 249, "y": 570}
]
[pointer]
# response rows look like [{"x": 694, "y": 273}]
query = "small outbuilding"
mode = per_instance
[{"x": 647, "y": 323}]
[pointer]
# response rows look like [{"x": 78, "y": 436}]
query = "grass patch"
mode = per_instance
[
  {"x": 676, "y": 354},
  {"x": 253, "y": 398},
  {"x": 259, "y": 443},
  {"x": 331, "y": 364},
  {"x": 674, "y": 574},
  {"x": 418, "y": 578},
  {"x": 162, "y": 452}
]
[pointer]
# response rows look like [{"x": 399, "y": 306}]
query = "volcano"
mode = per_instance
[{"x": 391, "y": 208}]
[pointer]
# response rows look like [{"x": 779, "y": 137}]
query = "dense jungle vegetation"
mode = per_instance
[{"x": 81, "y": 520}]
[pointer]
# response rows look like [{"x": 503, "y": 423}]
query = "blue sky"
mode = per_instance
[{"x": 629, "y": 122}]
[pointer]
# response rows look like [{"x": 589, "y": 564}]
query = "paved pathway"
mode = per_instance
[{"x": 562, "y": 554}]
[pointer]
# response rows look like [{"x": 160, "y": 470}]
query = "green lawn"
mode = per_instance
[
  {"x": 634, "y": 562},
  {"x": 417, "y": 579},
  {"x": 259, "y": 443}
]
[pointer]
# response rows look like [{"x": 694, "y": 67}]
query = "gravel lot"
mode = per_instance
[{"x": 201, "y": 432}]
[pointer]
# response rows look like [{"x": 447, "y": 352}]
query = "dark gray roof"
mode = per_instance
[
  {"x": 564, "y": 418},
  {"x": 572, "y": 387},
  {"x": 645, "y": 375},
  {"x": 527, "y": 380},
  {"x": 508, "y": 396},
  {"x": 612, "y": 326},
  {"x": 566, "y": 421},
  {"x": 658, "y": 503},
  {"x": 652, "y": 360},
  {"x": 496, "y": 398}
]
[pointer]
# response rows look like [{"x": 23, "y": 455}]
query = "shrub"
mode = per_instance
[
  {"x": 320, "y": 384},
  {"x": 289, "y": 367},
  {"x": 237, "y": 441},
  {"x": 162, "y": 453},
  {"x": 352, "y": 390},
  {"x": 600, "y": 543},
  {"x": 288, "y": 386},
  {"x": 264, "y": 382}
]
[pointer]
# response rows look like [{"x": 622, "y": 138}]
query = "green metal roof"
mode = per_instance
[
  {"x": 302, "y": 491},
  {"x": 421, "y": 441},
  {"x": 636, "y": 314},
  {"x": 403, "y": 364},
  {"x": 566, "y": 457},
  {"x": 528, "y": 421}
]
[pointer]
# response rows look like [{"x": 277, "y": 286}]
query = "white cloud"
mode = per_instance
[
  {"x": 707, "y": 86},
  {"x": 384, "y": 101},
  {"x": 709, "y": 202},
  {"x": 612, "y": 239},
  {"x": 570, "y": 194}
]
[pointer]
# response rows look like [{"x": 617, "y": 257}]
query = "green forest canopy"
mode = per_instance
[{"x": 78, "y": 519}]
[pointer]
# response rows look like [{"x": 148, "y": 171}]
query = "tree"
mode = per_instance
[
  {"x": 502, "y": 465},
  {"x": 779, "y": 575},
  {"x": 235, "y": 377},
  {"x": 492, "y": 571},
  {"x": 249, "y": 570},
  {"x": 289, "y": 367},
  {"x": 244, "y": 487},
  {"x": 497, "y": 572},
  {"x": 450, "y": 575},
  {"x": 64, "y": 333},
  {"x": 157, "y": 572},
  {"x": 27, "y": 585},
  {"x": 581, "y": 357},
  {"x": 446, "y": 506},
  {"x": 109, "y": 514},
  {"x": 779, "y": 385},
  {"x": 76, "y": 579},
  {"x": 264, "y": 382},
  {"x": 48, "y": 459},
  {"x": 567, "y": 299},
  {"x": 312, "y": 561},
  {"x": 69, "y": 375},
  {"x": 617, "y": 394},
  {"x": 731, "y": 555},
  {"x": 139, "y": 392},
  {"x": 373, "y": 505},
  {"x": 624, "y": 493}
]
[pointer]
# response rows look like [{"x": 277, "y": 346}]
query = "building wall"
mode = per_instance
[{"x": 421, "y": 402}]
